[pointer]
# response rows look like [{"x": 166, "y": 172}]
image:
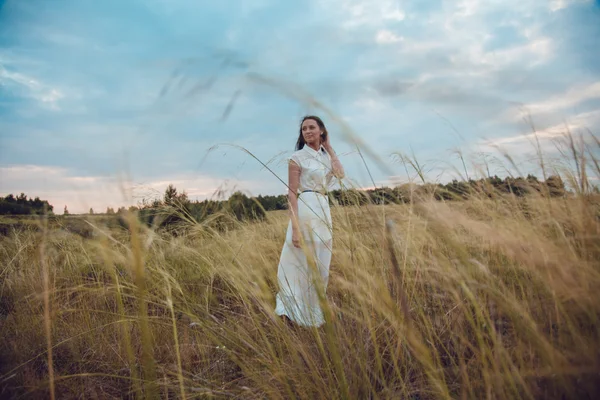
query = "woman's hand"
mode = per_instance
[
  {"x": 296, "y": 238},
  {"x": 336, "y": 165}
]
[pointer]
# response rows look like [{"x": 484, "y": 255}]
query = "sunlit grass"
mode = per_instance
[{"x": 495, "y": 297}]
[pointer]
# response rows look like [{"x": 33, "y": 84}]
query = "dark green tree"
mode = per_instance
[
  {"x": 170, "y": 195},
  {"x": 21, "y": 205}
]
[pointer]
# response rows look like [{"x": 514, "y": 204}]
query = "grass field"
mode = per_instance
[
  {"x": 487, "y": 298},
  {"x": 494, "y": 297}
]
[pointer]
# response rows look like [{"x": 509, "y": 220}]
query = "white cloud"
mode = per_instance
[
  {"x": 574, "y": 124},
  {"x": 458, "y": 32},
  {"x": 80, "y": 193},
  {"x": 360, "y": 13},
  {"x": 32, "y": 87},
  {"x": 556, "y": 106},
  {"x": 60, "y": 187},
  {"x": 571, "y": 98},
  {"x": 548, "y": 133},
  {"x": 557, "y": 5},
  {"x": 466, "y": 8},
  {"x": 472, "y": 55},
  {"x": 396, "y": 15},
  {"x": 525, "y": 150},
  {"x": 385, "y": 37},
  {"x": 537, "y": 51}
]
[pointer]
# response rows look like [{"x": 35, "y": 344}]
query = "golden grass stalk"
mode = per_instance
[
  {"x": 139, "y": 277},
  {"x": 47, "y": 316}
]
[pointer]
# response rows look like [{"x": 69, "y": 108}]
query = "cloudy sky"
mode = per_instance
[{"x": 103, "y": 103}]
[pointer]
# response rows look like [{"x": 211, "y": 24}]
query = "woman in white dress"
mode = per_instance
[{"x": 306, "y": 253}]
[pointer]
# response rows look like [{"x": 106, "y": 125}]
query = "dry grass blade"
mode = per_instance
[
  {"x": 485, "y": 294},
  {"x": 47, "y": 312}
]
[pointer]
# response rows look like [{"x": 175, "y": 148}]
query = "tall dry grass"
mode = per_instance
[{"x": 495, "y": 297}]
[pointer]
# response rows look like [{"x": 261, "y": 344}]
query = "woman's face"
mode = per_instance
[{"x": 311, "y": 132}]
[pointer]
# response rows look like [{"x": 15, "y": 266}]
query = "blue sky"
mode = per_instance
[{"x": 105, "y": 102}]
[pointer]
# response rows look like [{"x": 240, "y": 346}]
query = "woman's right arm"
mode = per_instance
[{"x": 293, "y": 184}]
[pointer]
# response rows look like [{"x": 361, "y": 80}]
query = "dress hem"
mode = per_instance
[{"x": 297, "y": 313}]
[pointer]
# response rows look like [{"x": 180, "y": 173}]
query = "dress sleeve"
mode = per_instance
[
  {"x": 294, "y": 157},
  {"x": 294, "y": 171}
]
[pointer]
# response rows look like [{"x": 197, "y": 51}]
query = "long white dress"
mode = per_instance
[{"x": 300, "y": 270}]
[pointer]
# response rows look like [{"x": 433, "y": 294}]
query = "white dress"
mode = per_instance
[{"x": 300, "y": 270}]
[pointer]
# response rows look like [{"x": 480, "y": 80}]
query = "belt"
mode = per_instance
[{"x": 314, "y": 191}]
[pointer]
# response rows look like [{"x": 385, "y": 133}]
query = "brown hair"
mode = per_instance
[{"x": 300, "y": 143}]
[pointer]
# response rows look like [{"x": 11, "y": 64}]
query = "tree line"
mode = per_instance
[
  {"x": 454, "y": 191},
  {"x": 21, "y": 205},
  {"x": 176, "y": 206}
]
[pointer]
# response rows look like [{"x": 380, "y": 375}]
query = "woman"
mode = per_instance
[{"x": 306, "y": 254}]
